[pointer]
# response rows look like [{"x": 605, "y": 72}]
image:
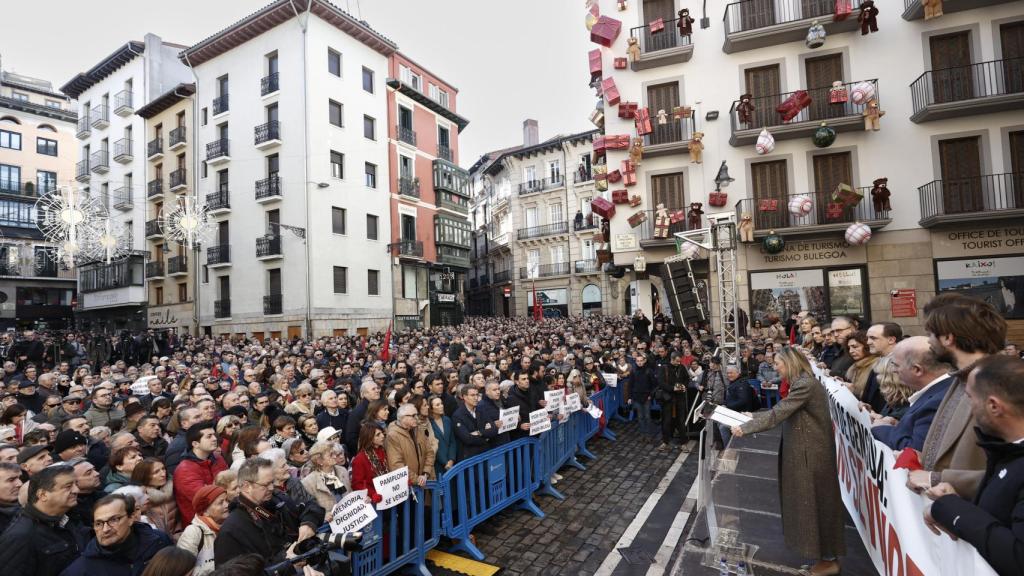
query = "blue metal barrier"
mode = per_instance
[
  {"x": 557, "y": 448},
  {"x": 586, "y": 426},
  {"x": 479, "y": 487},
  {"x": 397, "y": 537}
]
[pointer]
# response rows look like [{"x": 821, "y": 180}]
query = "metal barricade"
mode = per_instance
[
  {"x": 398, "y": 536},
  {"x": 557, "y": 449}
]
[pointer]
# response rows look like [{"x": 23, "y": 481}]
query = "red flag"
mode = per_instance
[
  {"x": 385, "y": 352},
  {"x": 537, "y": 310}
]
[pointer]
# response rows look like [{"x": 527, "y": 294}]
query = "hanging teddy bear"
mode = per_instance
[
  {"x": 662, "y": 117},
  {"x": 633, "y": 50},
  {"x": 746, "y": 228},
  {"x": 636, "y": 151},
  {"x": 745, "y": 109},
  {"x": 872, "y": 115},
  {"x": 868, "y": 17},
  {"x": 685, "y": 23},
  {"x": 697, "y": 148},
  {"x": 661, "y": 222},
  {"x": 693, "y": 217},
  {"x": 880, "y": 195},
  {"x": 932, "y": 8}
]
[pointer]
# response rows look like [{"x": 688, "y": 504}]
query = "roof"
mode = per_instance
[
  {"x": 31, "y": 84},
  {"x": 428, "y": 102},
  {"x": 166, "y": 100},
  {"x": 489, "y": 157},
  {"x": 279, "y": 12},
  {"x": 494, "y": 166},
  {"x": 39, "y": 110},
  {"x": 85, "y": 80}
]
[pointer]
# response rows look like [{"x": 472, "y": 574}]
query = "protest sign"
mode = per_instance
[
  {"x": 554, "y": 399},
  {"x": 610, "y": 380},
  {"x": 594, "y": 411},
  {"x": 351, "y": 513},
  {"x": 393, "y": 488},
  {"x": 539, "y": 422},
  {"x": 572, "y": 402},
  {"x": 509, "y": 420},
  {"x": 141, "y": 386}
]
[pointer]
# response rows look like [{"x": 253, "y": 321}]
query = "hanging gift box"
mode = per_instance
[
  {"x": 629, "y": 179},
  {"x": 597, "y": 117},
  {"x": 634, "y": 200},
  {"x": 847, "y": 195},
  {"x": 620, "y": 63},
  {"x": 643, "y": 122},
  {"x": 838, "y": 94},
  {"x": 862, "y": 92},
  {"x": 605, "y": 31},
  {"x": 657, "y": 25},
  {"x": 768, "y": 205},
  {"x": 601, "y": 177},
  {"x": 620, "y": 196},
  {"x": 637, "y": 219},
  {"x": 610, "y": 91},
  {"x": 834, "y": 211},
  {"x": 792, "y": 106},
  {"x": 842, "y": 10},
  {"x": 617, "y": 142},
  {"x": 627, "y": 110},
  {"x": 677, "y": 216},
  {"x": 602, "y": 208},
  {"x": 718, "y": 199},
  {"x": 614, "y": 176},
  {"x": 681, "y": 112},
  {"x": 595, "y": 63},
  {"x": 604, "y": 256},
  {"x": 628, "y": 167},
  {"x": 661, "y": 227}
]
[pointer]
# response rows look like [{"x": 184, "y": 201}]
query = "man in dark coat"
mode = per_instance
[
  {"x": 641, "y": 325},
  {"x": 842, "y": 328},
  {"x": 41, "y": 541},
  {"x": 675, "y": 395},
  {"x": 178, "y": 446},
  {"x": 121, "y": 547},
  {"x": 435, "y": 383},
  {"x": 368, "y": 392},
  {"x": 28, "y": 350},
  {"x": 10, "y": 485},
  {"x": 642, "y": 383},
  {"x": 467, "y": 429},
  {"x": 150, "y": 437},
  {"x": 519, "y": 396},
  {"x": 488, "y": 416}
]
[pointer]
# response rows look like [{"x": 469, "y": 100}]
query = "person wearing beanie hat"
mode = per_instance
[
  {"x": 69, "y": 445},
  {"x": 211, "y": 507},
  {"x": 32, "y": 459}
]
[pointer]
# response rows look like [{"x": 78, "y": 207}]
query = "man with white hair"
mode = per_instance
[
  {"x": 915, "y": 365},
  {"x": 406, "y": 447},
  {"x": 331, "y": 415}
]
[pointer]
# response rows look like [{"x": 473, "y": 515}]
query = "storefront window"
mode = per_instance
[
  {"x": 591, "y": 297},
  {"x": 998, "y": 281},
  {"x": 825, "y": 293},
  {"x": 845, "y": 293},
  {"x": 553, "y": 301}
]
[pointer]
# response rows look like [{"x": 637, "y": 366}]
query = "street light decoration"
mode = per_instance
[
  {"x": 107, "y": 240},
  {"x": 64, "y": 216},
  {"x": 187, "y": 224}
]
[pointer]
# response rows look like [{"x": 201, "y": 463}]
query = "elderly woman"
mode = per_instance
[
  {"x": 227, "y": 428},
  {"x": 284, "y": 482},
  {"x": 297, "y": 454},
  {"x": 812, "y": 507},
  {"x": 122, "y": 463},
  {"x": 303, "y": 403},
  {"x": 328, "y": 478},
  {"x": 199, "y": 537},
  {"x": 895, "y": 393}
]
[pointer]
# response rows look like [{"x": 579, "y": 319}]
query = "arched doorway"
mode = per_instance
[{"x": 591, "y": 299}]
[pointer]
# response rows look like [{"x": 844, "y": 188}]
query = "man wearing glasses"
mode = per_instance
[
  {"x": 405, "y": 447},
  {"x": 119, "y": 541},
  {"x": 41, "y": 541},
  {"x": 102, "y": 410},
  {"x": 467, "y": 430},
  {"x": 842, "y": 328}
]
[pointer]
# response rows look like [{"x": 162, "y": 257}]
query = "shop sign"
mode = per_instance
[
  {"x": 783, "y": 292},
  {"x": 550, "y": 297},
  {"x": 998, "y": 280},
  {"x": 624, "y": 242},
  {"x": 508, "y": 291},
  {"x": 443, "y": 297},
  {"x": 903, "y": 303},
  {"x": 979, "y": 241},
  {"x": 821, "y": 252},
  {"x": 173, "y": 316}
]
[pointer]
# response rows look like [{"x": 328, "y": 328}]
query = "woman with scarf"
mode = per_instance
[
  {"x": 863, "y": 363},
  {"x": 151, "y": 475},
  {"x": 327, "y": 478},
  {"x": 371, "y": 460},
  {"x": 308, "y": 429},
  {"x": 211, "y": 506}
]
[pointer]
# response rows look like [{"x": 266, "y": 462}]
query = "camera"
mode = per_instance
[{"x": 315, "y": 552}]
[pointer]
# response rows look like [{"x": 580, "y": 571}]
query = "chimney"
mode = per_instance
[{"x": 531, "y": 133}]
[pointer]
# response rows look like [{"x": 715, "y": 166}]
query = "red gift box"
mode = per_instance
[
  {"x": 842, "y": 11},
  {"x": 643, "y": 122},
  {"x": 595, "y": 63},
  {"x": 628, "y": 167},
  {"x": 602, "y": 208},
  {"x": 617, "y": 142},
  {"x": 620, "y": 63},
  {"x": 635, "y": 200},
  {"x": 605, "y": 31},
  {"x": 657, "y": 25},
  {"x": 627, "y": 110},
  {"x": 838, "y": 95},
  {"x": 620, "y": 196},
  {"x": 718, "y": 199},
  {"x": 834, "y": 211},
  {"x": 637, "y": 219},
  {"x": 677, "y": 216},
  {"x": 629, "y": 179},
  {"x": 614, "y": 176},
  {"x": 792, "y": 106},
  {"x": 768, "y": 205},
  {"x": 610, "y": 91}
]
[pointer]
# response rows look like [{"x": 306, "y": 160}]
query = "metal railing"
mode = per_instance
[
  {"x": 647, "y": 228},
  {"x": 268, "y": 131},
  {"x": 218, "y": 200},
  {"x": 269, "y": 84},
  {"x": 268, "y": 187},
  {"x": 99, "y": 115},
  {"x": 407, "y": 135},
  {"x": 581, "y": 176},
  {"x": 502, "y": 276},
  {"x": 587, "y": 267},
  {"x": 444, "y": 152},
  {"x": 273, "y": 303},
  {"x": 36, "y": 268},
  {"x": 154, "y": 188},
  {"x": 544, "y": 270},
  {"x": 543, "y": 230},
  {"x": 587, "y": 223},
  {"x": 765, "y": 115},
  {"x": 154, "y": 269},
  {"x": 409, "y": 187},
  {"x": 10, "y": 186},
  {"x": 218, "y": 254},
  {"x": 83, "y": 127},
  {"x": 962, "y": 196},
  {"x": 154, "y": 147},
  {"x": 216, "y": 149},
  {"x": 123, "y": 149},
  {"x": 118, "y": 274},
  {"x": 179, "y": 178},
  {"x": 220, "y": 104},
  {"x": 408, "y": 248},
  {"x": 825, "y": 211},
  {"x": 222, "y": 308},
  {"x": 671, "y": 132},
  {"x": 82, "y": 169},
  {"x": 176, "y": 136},
  {"x": 499, "y": 239},
  {"x": 452, "y": 201},
  {"x": 981, "y": 80},
  {"x": 755, "y": 14},
  {"x": 531, "y": 186},
  {"x": 269, "y": 245},
  {"x": 99, "y": 160},
  {"x": 123, "y": 198},
  {"x": 177, "y": 264},
  {"x": 663, "y": 40},
  {"x": 123, "y": 99},
  {"x": 153, "y": 228}
]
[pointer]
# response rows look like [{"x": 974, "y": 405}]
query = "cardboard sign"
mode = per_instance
[
  {"x": 554, "y": 399},
  {"x": 393, "y": 488},
  {"x": 509, "y": 420},
  {"x": 611, "y": 380},
  {"x": 594, "y": 411},
  {"x": 351, "y": 513},
  {"x": 572, "y": 403},
  {"x": 539, "y": 422},
  {"x": 141, "y": 386}
]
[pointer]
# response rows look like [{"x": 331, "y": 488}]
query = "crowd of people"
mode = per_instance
[{"x": 164, "y": 455}]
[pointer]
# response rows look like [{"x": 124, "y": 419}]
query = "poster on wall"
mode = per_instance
[
  {"x": 998, "y": 281},
  {"x": 554, "y": 301},
  {"x": 781, "y": 293},
  {"x": 846, "y": 293}
]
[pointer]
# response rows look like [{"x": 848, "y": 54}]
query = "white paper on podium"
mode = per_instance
[{"x": 728, "y": 417}]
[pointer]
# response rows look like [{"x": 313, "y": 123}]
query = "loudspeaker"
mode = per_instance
[{"x": 682, "y": 294}]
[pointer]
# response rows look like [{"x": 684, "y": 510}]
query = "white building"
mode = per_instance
[
  {"x": 287, "y": 103},
  {"x": 112, "y": 167}
]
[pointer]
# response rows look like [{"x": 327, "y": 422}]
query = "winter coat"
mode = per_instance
[
  {"x": 199, "y": 539},
  {"x": 355, "y": 421},
  {"x": 240, "y": 534},
  {"x": 642, "y": 383},
  {"x": 466, "y": 424},
  {"x": 363, "y": 473},
  {"x": 97, "y": 416},
  {"x": 487, "y": 413},
  {"x": 191, "y": 475},
  {"x": 768, "y": 375},
  {"x": 155, "y": 450},
  {"x": 338, "y": 421},
  {"x": 913, "y": 426},
  {"x": 950, "y": 449},
  {"x": 739, "y": 395},
  {"x": 163, "y": 509},
  {"x": 35, "y": 544},
  {"x": 114, "y": 481},
  {"x": 446, "y": 447},
  {"x": 176, "y": 450},
  {"x": 406, "y": 450},
  {"x": 326, "y": 497},
  {"x": 129, "y": 561},
  {"x": 8, "y": 512}
]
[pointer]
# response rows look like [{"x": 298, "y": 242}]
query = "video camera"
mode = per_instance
[{"x": 315, "y": 552}]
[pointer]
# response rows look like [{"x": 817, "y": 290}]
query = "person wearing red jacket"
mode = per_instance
[
  {"x": 199, "y": 467},
  {"x": 371, "y": 460}
]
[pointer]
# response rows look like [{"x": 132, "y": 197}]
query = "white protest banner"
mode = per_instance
[
  {"x": 572, "y": 402},
  {"x": 509, "y": 420},
  {"x": 611, "y": 380},
  {"x": 351, "y": 513},
  {"x": 539, "y": 422},
  {"x": 554, "y": 399},
  {"x": 141, "y": 386},
  {"x": 594, "y": 411},
  {"x": 887, "y": 514},
  {"x": 393, "y": 488}
]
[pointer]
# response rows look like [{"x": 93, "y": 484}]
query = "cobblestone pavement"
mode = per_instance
[{"x": 578, "y": 533}]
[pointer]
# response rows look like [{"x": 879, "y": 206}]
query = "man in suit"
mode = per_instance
[
  {"x": 916, "y": 366},
  {"x": 467, "y": 430},
  {"x": 961, "y": 330}
]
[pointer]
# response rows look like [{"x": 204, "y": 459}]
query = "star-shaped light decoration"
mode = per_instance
[
  {"x": 187, "y": 224},
  {"x": 107, "y": 240},
  {"x": 63, "y": 216}
]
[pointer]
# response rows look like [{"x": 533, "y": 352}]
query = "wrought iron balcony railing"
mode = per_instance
[
  {"x": 978, "y": 198},
  {"x": 222, "y": 308},
  {"x": 268, "y": 187},
  {"x": 825, "y": 212},
  {"x": 218, "y": 254},
  {"x": 220, "y": 104},
  {"x": 661, "y": 40},
  {"x": 544, "y": 270},
  {"x": 406, "y": 135},
  {"x": 543, "y": 230},
  {"x": 268, "y": 132},
  {"x": 273, "y": 303},
  {"x": 985, "y": 86},
  {"x": 269, "y": 84}
]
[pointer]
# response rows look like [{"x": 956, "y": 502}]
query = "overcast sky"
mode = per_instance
[{"x": 510, "y": 59}]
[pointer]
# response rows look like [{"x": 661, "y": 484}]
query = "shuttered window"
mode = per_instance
[
  {"x": 654, "y": 9},
  {"x": 951, "y": 70},
  {"x": 830, "y": 170},
  {"x": 663, "y": 97},
  {"x": 1017, "y": 167},
  {"x": 668, "y": 189},
  {"x": 1011, "y": 38},
  {"x": 769, "y": 182},
  {"x": 822, "y": 71},
  {"x": 960, "y": 162},
  {"x": 764, "y": 84},
  {"x": 340, "y": 280},
  {"x": 756, "y": 14}
]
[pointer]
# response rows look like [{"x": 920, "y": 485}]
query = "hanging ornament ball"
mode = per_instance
[
  {"x": 773, "y": 243},
  {"x": 801, "y": 205},
  {"x": 858, "y": 234},
  {"x": 824, "y": 136},
  {"x": 688, "y": 250}
]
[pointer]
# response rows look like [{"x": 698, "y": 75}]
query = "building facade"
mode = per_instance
[
  {"x": 950, "y": 144},
  {"x": 534, "y": 230},
  {"x": 37, "y": 154},
  {"x": 284, "y": 100},
  {"x": 112, "y": 167},
  {"x": 430, "y": 195}
]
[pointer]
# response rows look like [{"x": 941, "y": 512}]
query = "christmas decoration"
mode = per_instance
[
  {"x": 858, "y": 234},
  {"x": 862, "y": 92},
  {"x": 187, "y": 224},
  {"x": 636, "y": 152},
  {"x": 628, "y": 173},
  {"x": 842, "y": 10},
  {"x": 847, "y": 195},
  {"x": 773, "y": 243},
  {"x": 834, "y": 210},
  {"x": 677, "y": 216},
  {"x": 815, "y": 35},
  {"x": 643, "y": 122},
  {"x": 801, "y": 205},
  {"x": 687, "y": 250},
  {"x": 614, "y": 176},
  {"x": 594, "y": 57},
  {"x": 620, "y": 63},
  {"x": 602, "y": 208},
  {"x": 681, "y": 112},
  {"x": 837, "y": 94},
  {"x": 597, "y": 117},
  {"x": 745, "y": 108},
  {"x": 746, "y": 227},
  {"x": 685, "y": 23},
  {"x": 662, "y": 117},
  {"x": 627, "y": 110},
  {"x": 765, "y": 142},
  {"x": 932, "y": 8},
  {"x": 656, "y": 26},
  {"x": 635, "y": 200},
  {"x": 601, "y": 177},
  {"x": 718, "y": 199},
  {"x": 620, "y": 196},
  {"x": 694, "y": 215},
  {"x": 792, "y": 106},
  {"x": 768, "y": 205},
  {"x": 606, "y": 30},
  {"x": 107, "y": 240},
  {"x": 621, "y": 5},
  {"x": 633, "y": 49},
  {"x": 64, "y": 215},
  {"x": 697, "y": 148},
  {"x": 661, "y": 222},
  {"x": 589, "y": 21},
  {"x": 872, "y": 115},
  {"x": 823, "y": 136},
  {"x": 880, "y": 195},
  {"x": 868, "y": 17},
  {"x": 637, "y": 219},
  {"x": 611, "y": 92}
]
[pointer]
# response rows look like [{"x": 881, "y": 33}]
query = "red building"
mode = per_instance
[{"x": 430, "y": 229}]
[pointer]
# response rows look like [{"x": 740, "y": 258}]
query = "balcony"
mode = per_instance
[
  {"x": 498, "y": 242},
  {"x": 913, "y": 9},
  {"x": 408, "y": 248},
  {"x": 218, "y": 255},
  {"x": 452, "y": 202},
  {"x": 155, "y": 149},
  {"x": 83, "y": 131},
  {"x": 123, "y": 105},
  {"x": 661, "y": 48},
  {"x": 269, "y": 84},
  {"x": 646, "y": 230},
  {"x": 155, "y": 189},
  {"x": 222, "y": 308},
  {"x": 751, "y": 24},
  {"x": 453, "y": 256},
  {"x": 99, "y": 117},
  {"x": 583, "y": 175},
  {"x": 444, "y": 152},
  {"x": 534, "y": 186},
  {"x": 177, "y": 265},
  {"x": 217, "y": 152},
  {"x": 841, "y": 117},
  {"x": 176, "y": 138},
  {"x": 542, "y": 231},
  {"x": 268, "y": 189},
  {"x": 153, "y": 229},
  {"x": 82, "y": 170},
  {"x": 179, "y": 179},
  {"x": 220, "y": 105},
  {"x": 268, "y": 135},
  {"x": 268, "y": 247},
  {"x": 98, "y": 277},
  {"x": 154, "y": 270},
  {"x": 123, "y": 151},
  {"x": 406, "y": 135},
  {"x": 980, "y": 88},
  {"x": 818, "y": 221},
  {"x": 982, "y": 198},
  {"x": 409, "y": 187},
  {"x": 586, "y": 267},
  {"x": 544, "y": 270},
  {"x": 449, "y": 177},
  {"x": 36, "y": 268},
  {"x": 502, "y": 276},
  {"x": 589, "y": 222},
  {"x": 99, "y": 161},
  {"x": 273, "y": 303},
  {"x": 673, "y": 137},
  {"x": 123, "y": 198},
  {"x": 218, "y": 202}
]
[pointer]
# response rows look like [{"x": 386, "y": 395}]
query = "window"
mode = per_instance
[
  {"x": 158, "y": 296},
  {"x": 10, "y": 140},
  {"x": 19, "y": 96},
  {"x": 369, "y": 127},
  {"x": 340, "y": 280},
  {"x": 337, "y": 110},
  {"x": 334, "y": 62},
  {"x": 555, "y": 171},
  {"x": 407, "y": 76},
  {"x": 10, "y": 178},
  {"x": 338, "y": 217},
  {"x": 53, "y": 104},
  {"x": 202, "y": 169},
  {"x": 45, "y": 181},
  {"x": 367, "y": 79},
  {"x": 183, "y": 292},
  {"x": 442, "y": 98},
  {"x": 371, "y": 227},
  {"x": 432, "y": 91},
  {"x": 44, "y": 146},
  {"x": 409, "y": 282},
  {"x": 669, "y": 189},
  {"x": 337, "y": 164},
  {"x": 556, "y": 213},
  {"x": 373, "y": 282},
  {"x": 205, "y": 115},
  {"x": 371, "y": 175}
]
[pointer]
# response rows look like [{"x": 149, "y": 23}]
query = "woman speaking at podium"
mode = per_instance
[{"x": 812, "y": 507}]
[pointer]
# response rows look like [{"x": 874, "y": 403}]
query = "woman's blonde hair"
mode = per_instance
[
  {"x": 893, "y": 390},
  {"x": 795, "y": 362}
]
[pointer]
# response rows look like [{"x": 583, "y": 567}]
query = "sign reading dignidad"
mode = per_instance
[{"x": 351, "y": 513}]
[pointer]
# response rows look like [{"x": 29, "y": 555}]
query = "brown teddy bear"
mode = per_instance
[
  {"x": 693, "y": 218},
  {"x": 685, "y": 23},
  {"x": 636, "y": 152},
  {"x": 633, "y": 49},
  {"x": 697, "y": 148},
  {"x": 872, "y": 115},
  {"x": 745, "y": 108},
  {"x": 746, "y": 228},
  {"x": 880, "y": 195}
]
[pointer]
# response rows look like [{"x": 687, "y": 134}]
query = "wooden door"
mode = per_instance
[
  {"x": 756, "y": 14},
  {"x": 294, "y": 332},
  {"x": 258, "y": 336},
  {"x": 960, "y": 162},
  {"x": 951, "y": 67},
  {"x": 769, "y": 181},
  {"x": 816, "y": 8},
  {"x": 339, "y": 332},
  {"x": 821, "y": 72},
  {"x": 669, "y": 190},
  {"x": 664, "y": 97},
  {"x": 1017, "y": 167},
  {"x": 668, "y": 38},
  {"x": 275, "y": 334},
  {"x": 764, "y": 84},
  {"x": 1011, "y": 38},
  {"x": 830, "y": 170}
]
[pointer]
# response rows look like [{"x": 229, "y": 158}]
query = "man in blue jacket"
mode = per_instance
[
  {"x": 739, "y": 396},
  {"x": 917, "y": 367},
  {"x": 121, "y": 547}
]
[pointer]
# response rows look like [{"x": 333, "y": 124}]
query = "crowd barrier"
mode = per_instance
[
  {"x": 401, "y": 536},
  {"x": 558, "y": 448}
]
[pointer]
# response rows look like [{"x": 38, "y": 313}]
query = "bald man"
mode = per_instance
[{"x": 915, "y": 365}]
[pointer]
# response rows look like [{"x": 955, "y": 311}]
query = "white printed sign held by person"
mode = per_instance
[
  {"x": 554, "y": 399},
  {"x": 610, "y": 380},
  {"x": 509, "y": 420},
  {"x": 572, "y": 402},
  {"x": 539, "y": 422},
  {"x": 393, "y": 488},
  {"x": 594, "y": 411},
  {"x": 352, "y": 513}
]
